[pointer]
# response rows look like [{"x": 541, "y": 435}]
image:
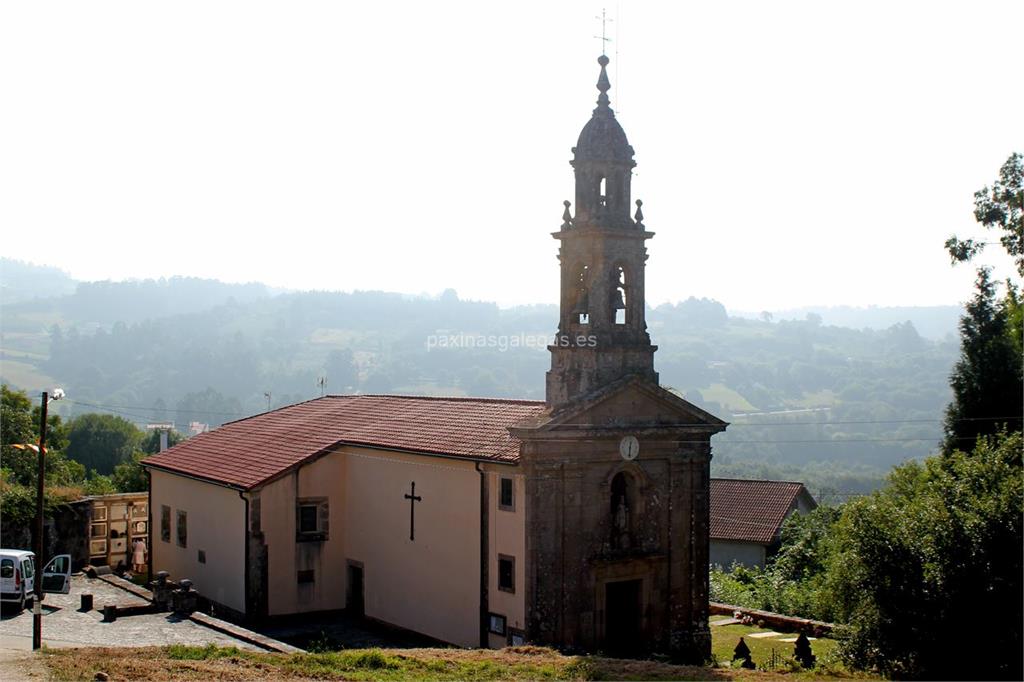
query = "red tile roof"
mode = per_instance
[
  {"x": 751, "y": 511},
  {"x": 251, "y": 451}
]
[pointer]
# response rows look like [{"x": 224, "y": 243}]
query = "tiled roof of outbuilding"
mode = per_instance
[
  {"x": 751, "y": 510},
  {"x": 251, "y": 451}
]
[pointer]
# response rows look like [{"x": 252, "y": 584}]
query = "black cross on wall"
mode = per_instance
[{"x": 413, "y": 499}]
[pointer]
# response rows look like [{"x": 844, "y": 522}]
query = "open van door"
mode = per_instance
[{"x": 57, "y": 575}]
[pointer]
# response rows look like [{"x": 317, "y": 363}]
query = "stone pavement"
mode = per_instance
[{"x": 64, "y": 625}]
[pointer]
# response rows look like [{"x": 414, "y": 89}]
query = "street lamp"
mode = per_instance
[{"x": 37, "y": 603}]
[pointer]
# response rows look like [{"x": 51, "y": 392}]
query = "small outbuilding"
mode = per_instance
[{"x": 747, "y": 516}]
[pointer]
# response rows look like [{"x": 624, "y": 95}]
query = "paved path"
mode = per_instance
[{"x": 64, "y": 625}]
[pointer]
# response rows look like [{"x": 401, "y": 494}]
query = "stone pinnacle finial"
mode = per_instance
[
  {"x": 639, "y": 217},
  {"x": 602, "y": 83},
  {"x": 566, "y": 216}
]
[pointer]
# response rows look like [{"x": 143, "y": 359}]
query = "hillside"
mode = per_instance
[{"x": 832, "y": 405}]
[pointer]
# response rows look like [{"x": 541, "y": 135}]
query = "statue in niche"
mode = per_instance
[{"x": 620, "y": 512}]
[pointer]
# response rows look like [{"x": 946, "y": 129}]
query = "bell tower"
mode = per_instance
[
  {"x": 617, "y": 469},
  {"x": 602, "y": 334}
]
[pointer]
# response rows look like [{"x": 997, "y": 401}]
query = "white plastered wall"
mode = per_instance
[{"x": 216, "y": 525}]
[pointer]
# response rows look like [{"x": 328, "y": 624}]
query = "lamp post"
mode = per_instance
[{"x": 37, "y": 603}]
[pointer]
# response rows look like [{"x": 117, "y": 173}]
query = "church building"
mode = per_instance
[{"x": 581, "y": 521}]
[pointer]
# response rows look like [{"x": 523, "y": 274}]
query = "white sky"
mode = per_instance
[{"x": 788, "y": 153}]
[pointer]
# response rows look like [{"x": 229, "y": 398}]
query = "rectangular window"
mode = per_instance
[
  {"x": 506, "y": 573},
  {"x": 202, "y": 556},
  {"x": 7, "y": 568},
  {"x": 496, "y": 623},
  {"x": 165, "y": 523},
  {"x": 306, "y": 576},
  {"x": 308, "y": 516},
  {"x": 312, "y": 516},
  {"x": 506, "y": 498},
  {"x": 516, "y": 637},
  {"x": 182, "y": 528},
  {"x": 98, "y": 530}
]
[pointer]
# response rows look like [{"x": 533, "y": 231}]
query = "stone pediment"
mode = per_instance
[{"x": 631, "y": 403}]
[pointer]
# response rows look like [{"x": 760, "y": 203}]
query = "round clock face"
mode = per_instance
[{"x": 629, "y": 447}]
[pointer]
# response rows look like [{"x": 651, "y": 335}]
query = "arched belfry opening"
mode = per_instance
[
  {"x": 619, "y": 295},
  {"x": 581, "y": 294}
]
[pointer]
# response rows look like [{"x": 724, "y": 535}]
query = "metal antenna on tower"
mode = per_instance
[
  {"x": 266, "y": 394},
  {"x": 603, "y": 37},
  {"x": 321, "y": 382}
]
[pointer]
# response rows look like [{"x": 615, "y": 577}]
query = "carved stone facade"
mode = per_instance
[{"x": 616, "y": 468}]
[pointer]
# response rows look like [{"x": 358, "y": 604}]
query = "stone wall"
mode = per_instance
[
  {"x": 814, "y": 628},
  {"x": 66, "y": 531}
]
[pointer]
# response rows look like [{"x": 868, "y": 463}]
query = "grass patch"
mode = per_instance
[
  {"x": 184, "y": 652},
  {"x": 728, "y": 398},
  {"x": 724, "y": 639},
  {"x": 179, "y": 662}
]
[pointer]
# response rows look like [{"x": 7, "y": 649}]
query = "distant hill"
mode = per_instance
[
  {"x": 839, "y": 403},
  {"x": 932, "y": 322},
  {"x": 20, "y": 281}
]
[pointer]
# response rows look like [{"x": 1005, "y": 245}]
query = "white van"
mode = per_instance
[{"x": 17, "y": 573}]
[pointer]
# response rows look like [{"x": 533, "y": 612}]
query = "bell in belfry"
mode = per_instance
[
  {"x": 618, "y": 300},
  {"x": 582, "y": 306}
]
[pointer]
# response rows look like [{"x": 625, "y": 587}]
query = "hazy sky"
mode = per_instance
[{"x": 788, "y": 153}]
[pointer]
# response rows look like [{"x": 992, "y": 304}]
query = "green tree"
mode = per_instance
[
  {"x": 919, "y": 561},
  {"x": 209, "y": 406},
  {"x": 151, "y": 441},
  {"x": 987, "y": 381},
  {"x": 19, "y": 425},
  {"x": 97, "y": 484},
  {"x": 102, "y": 441},
  {"x": 999, "y": 207},
  {"x": 804, "y": 543},
  {"x": 129, "y": 476},
  {"x": 15, "y": 428}
]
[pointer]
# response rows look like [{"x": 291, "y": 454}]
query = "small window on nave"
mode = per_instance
[{"x": 506, "y": 495}]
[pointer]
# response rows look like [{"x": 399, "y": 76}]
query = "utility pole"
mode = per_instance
[{"x": 37, "y": 603}]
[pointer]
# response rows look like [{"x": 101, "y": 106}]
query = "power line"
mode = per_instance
[
  {"x": 877, "y": 421},
  {"x": 158, "y": 409}
]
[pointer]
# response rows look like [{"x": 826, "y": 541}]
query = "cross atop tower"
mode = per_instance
[{"x": 603, "y": 37}]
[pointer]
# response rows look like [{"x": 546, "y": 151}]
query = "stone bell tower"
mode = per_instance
[
  {"x": 616, "y": 468},
  {"x": 602, "y": 333}
]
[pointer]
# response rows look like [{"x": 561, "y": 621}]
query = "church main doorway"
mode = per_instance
[{"x": 623, "y": 634}]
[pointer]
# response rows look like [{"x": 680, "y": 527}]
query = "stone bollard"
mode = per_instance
[
  {"x": 184, "y": 599},
  {"x": 86, "y": 601},
  {"x": 109, "y": 613},
  {"x": 162, "y": 589}
]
